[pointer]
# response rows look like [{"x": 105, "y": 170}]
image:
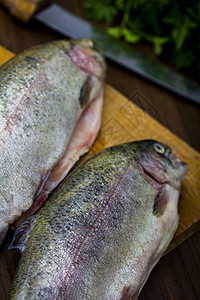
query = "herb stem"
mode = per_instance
[{"x": 126, "y": 14}]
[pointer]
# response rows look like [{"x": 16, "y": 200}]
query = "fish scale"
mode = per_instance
[
  {"x": 101, "y": 245},
  {"x": 39, "y": 109}
]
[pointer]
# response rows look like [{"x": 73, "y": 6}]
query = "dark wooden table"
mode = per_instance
[{"x": 177, "y": 275}]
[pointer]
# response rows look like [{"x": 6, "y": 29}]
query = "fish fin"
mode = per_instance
[
  {"x": 21, "y": 236},
  {"x": 85, "y": 93},
  {"x": 160, "y": 202},
  {"x": 127, "y": 293},
  {"x": 38, "y": 202}
]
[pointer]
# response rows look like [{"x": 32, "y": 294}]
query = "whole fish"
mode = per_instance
[
  {"x": 104, "y": 228},
  {"x": 50, "y": 112}
]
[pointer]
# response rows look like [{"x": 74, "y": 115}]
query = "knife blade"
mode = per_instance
[
  {"x": 72, "y": 26},
  {"x": 64, "y": 22}
]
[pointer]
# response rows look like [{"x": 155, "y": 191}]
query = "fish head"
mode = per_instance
[
  {"x": 88, "y": 57},
  {"x": 159, "y": 163}
]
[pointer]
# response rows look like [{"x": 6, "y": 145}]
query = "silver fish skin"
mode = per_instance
[
  {"x": 104, "y": 228},
  {"x": 43, "y": 94}
]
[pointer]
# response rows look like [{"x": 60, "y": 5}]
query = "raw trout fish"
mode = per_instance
[
  {"x": 50, "y": 112},
  {"x": 104, "y": 228}
]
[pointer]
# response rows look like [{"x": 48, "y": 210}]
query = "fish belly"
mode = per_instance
[
  {"x": 39, "y": 110},
  {"x": 97, "y": 236}
]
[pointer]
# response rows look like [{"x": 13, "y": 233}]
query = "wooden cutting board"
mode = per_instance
[{"x": 123, "y": 122}]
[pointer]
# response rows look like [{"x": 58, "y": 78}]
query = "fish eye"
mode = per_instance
[{"x": 159, "y": 148}]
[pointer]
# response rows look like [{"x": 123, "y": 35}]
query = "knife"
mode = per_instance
[{"x": 60, "y": 20}]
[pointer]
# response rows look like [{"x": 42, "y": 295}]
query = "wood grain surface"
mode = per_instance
[
  {"x": 123, "y": 121},
  {"x": 176, "y": 276}
]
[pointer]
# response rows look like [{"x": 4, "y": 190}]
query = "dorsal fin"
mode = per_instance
[{"x": 22, "y": 233}]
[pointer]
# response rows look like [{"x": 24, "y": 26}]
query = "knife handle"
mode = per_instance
[{"x": 23, "y": 9}]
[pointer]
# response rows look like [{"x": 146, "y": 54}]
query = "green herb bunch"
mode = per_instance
[{"x": 172, "y": 27}]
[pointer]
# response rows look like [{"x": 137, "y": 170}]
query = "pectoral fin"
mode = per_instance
[
  {"x": 128, "y": 293},
  {"x": 22, "y": 234},
  {"x": 160, "y": 202}
]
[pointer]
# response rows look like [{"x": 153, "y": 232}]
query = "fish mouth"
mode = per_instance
[{"x": 181, "y": 170}]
